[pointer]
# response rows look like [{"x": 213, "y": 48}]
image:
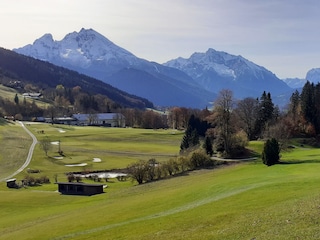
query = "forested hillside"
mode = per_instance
[{"x": 43, "y": 75}]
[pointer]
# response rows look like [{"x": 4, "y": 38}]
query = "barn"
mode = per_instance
[
  {"x": 71, "y": 188},
  {"x": 100, "y": 119}
]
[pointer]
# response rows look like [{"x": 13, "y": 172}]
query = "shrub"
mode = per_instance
[
  {"x": 200, "y": 159},
  {"x": 44, "y": 179},
  {"x": 138, "y": 171},
  {"x": 70, "y": 177},
  {"x": 32, "y": 181},
  {"x": 184, "y": 163},
  {"x": 171, "y": 166},
  {"x": 271, "y": 151}
]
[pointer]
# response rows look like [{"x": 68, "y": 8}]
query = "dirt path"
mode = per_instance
[
  {"x": 234, "y": 159},
  {"x": 29, "y": 157}
]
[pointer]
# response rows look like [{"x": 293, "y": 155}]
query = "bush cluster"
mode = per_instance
[
  {"x": 151, "y": 170},
  {"x": 33, "y": 181}
]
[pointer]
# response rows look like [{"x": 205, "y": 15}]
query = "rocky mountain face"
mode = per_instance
[
  {"x": 313, "y": 75},
  {"x": 90, "y": 53},
  {"x": 192, "y": 82},
  {"x": 215, "y": 71},
  {"x": 295, "y": 83}
]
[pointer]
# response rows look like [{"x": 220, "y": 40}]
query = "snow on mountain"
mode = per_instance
[
  {"x": 215, "y": 70},
  {"x": 295, "y": 82},
  {"x": 192, "y": 82},
  {"x": 79, "y": 50},
  {"x": 92, "y": 54},
  {"x": 313, "y": 75}
]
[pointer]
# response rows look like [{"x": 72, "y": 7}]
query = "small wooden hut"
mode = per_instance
[
  {"x": 72, "y": 188},
  {"x": 11, "y": 183}
]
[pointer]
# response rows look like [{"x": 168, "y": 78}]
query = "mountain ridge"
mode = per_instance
[
  {"x": 90, "y": 53},
  {"x": 44, "y": 74},
  {"x": 215, "y": 70},
  {"x": 196, "y": 80}
]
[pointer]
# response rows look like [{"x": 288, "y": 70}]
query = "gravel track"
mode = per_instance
[{"x": 29, "y": 157}]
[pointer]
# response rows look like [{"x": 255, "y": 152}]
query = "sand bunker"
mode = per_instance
[
  {"x": 61, "y": 131},
  {"x": 76, "y": 165},
  {"x": 55, "y": 143},
  {"x": 105, "y": 175},
  {"x": 96, "y": 160},
  {"x": 58, "y": 157}
]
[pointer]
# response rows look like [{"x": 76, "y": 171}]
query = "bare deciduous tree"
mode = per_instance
[
  {"x": 45, "y": 145},
  {"x": 247, "y": 112},
  {"x": 138, "y": 171},
  {"x": 223, "y": 108}
]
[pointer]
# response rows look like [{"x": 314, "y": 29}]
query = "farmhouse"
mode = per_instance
[
  {"x": 32, "y": 95},
  {"x": 100, "y": 119},
  {"x": 72, "y": 188},
  {"x": 97, "y": 119}
]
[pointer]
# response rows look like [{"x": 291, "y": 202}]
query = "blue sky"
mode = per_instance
[{"x": 281, "y": 35}]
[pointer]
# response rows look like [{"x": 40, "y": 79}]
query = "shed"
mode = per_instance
[
  {"x": 11, "y": 183},
  {"x": 86, "y": 189}
]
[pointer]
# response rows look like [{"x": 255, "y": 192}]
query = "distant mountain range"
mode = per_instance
[
  {"x": 192, "y": 82},
  {"x": 216, "y": 70},
  {"x": 313, "y": 75},
  {"x": 295, "y": 83},
  {"x": 92, "y": 54}
]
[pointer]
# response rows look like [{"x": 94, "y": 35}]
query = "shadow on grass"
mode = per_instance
[
  {"x": 4, "y": 122},
  {"x": 300, "y": 161}
]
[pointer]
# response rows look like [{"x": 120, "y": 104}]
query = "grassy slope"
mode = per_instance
[
  {"x": 15, "y": 143},
  {"x": 9, "y": 93},
  {"x": 243, "y": 201}
]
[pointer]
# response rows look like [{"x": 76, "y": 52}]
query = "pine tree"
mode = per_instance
[
  {"x": 194, "y": 138},
  {"x": 16, "y": 99},
  {"x": 308, "y": 102},
  {"x": 185, "y": 142},
  {"x": 208, "y": 146},
  {"x": 266, "y": 112},
  {"x": 271, "y": 151},
  {"x": 294, "y": 104}
]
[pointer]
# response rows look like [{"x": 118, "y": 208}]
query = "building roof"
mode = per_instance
[
  {"x": 99, "y": 116},
  {"x": 79, "y": 183}
]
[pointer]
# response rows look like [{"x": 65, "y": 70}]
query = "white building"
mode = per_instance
[{"x": 100, "y": 119}]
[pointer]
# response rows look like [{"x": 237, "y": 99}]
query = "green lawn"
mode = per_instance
[
  {"x": 15, "y": 143},
  {"x": 241, "y": 201},
  {"x": 10, "y": 93}
]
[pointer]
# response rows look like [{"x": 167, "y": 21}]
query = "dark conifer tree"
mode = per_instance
[
  {"x": 194, "y": 138},
  {"x": 294, "y": 104},
  {"x": 271, "y": 151},
  {"x": 208, "y": 146},
  {"x": 266, "y": 112},
  {"x": 308, "y": 102},
  {"x": 185, "y": 143},
  {"x": 16, "y": 99}
]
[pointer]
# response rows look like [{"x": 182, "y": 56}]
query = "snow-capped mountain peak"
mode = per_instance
[
  {"x": 78, "y": 49},
  {"x": 189, "y": 81},
  {"x": 222, "y": 63},
  {"x": 46, "y": 39},
  {"x": 215, "y": 70},
  {"x": 313, "y": 75}
]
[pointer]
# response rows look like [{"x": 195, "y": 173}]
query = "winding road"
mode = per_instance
[{"x": 29, "y": 157}]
